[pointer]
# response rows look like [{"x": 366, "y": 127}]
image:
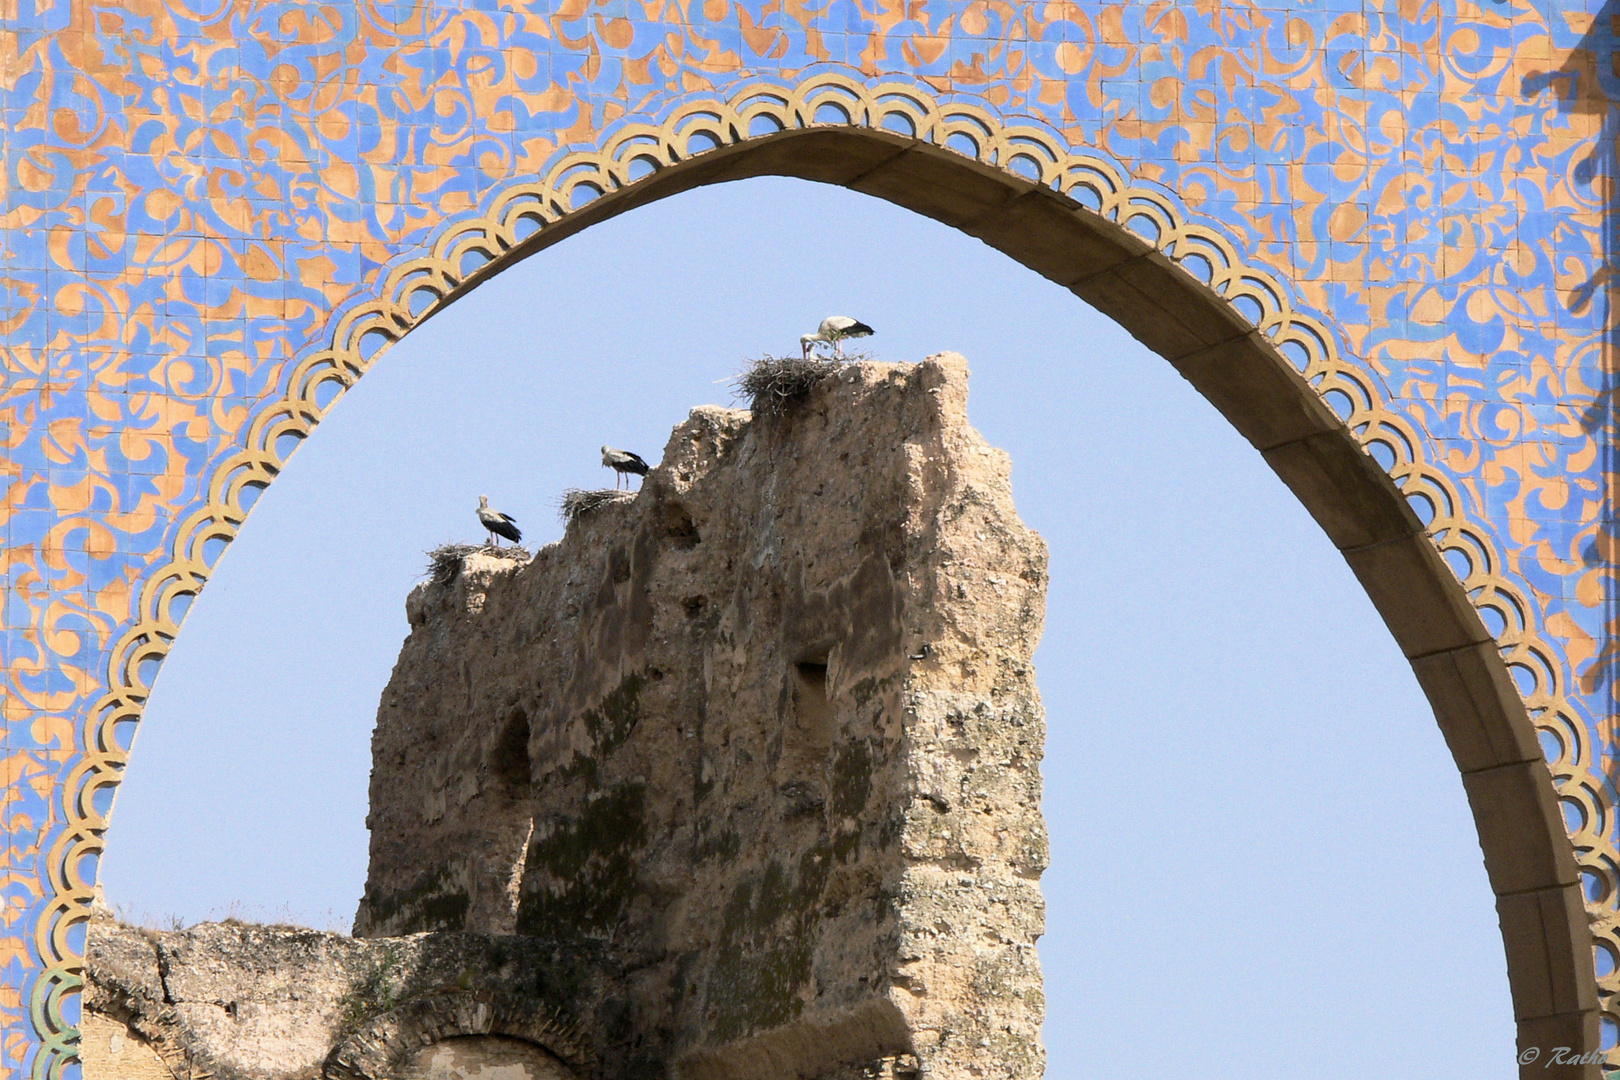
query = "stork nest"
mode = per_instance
[
  {"x": 772, "y": 384},
  {"x": 446, "y": 560},
  {"x": 577, "y": 501}
]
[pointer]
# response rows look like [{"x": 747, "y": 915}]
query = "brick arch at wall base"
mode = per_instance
[
  {"x": 374, "y": 1051},
  {"x": 1177, "y": 287}
]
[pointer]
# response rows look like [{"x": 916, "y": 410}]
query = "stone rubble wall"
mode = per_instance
[
  {"x": 241, "y": 1001},
  {"x": 751, "y": 758}
]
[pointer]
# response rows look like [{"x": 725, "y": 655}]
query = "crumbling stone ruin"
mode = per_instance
[{"x": 739, "y": 779}]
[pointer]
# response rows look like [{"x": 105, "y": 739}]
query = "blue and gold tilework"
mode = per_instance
[{"x": 216, "y": 214}]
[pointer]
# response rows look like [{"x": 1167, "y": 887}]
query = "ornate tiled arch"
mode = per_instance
[{"x": 583, "y": 182}]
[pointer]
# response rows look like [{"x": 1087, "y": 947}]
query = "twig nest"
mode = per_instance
[{"x": 577, "y": 501}]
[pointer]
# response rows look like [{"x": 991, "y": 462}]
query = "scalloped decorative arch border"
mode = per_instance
[{"x": 473, "y": 249}]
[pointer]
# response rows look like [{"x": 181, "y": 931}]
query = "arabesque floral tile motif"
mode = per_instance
[{"x": 197, "y": 195}]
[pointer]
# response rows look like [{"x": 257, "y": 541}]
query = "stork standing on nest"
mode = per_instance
[
  {"x": 623, "y": 462},
  {"x": 832, "y": 331},
  {"x": 497, "y": 523}
]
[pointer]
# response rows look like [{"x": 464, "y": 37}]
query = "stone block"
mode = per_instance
[
  {"x": 1185, "y": 299},
  {"x": 1553, "y": 977},
  {"x": 1053, "y": 237},
  {"x": 1418, "y": 596},
  {"x": 1345, "y": 490},
  {"x": 1560, "y": 1047},
  {"x": 940, "y": 185},
  {"x": 1142, "y": 314},
  {"x": 1477, "y": 707},
  {"x": 1520, "y": 828},
  {"x": 1257, "y": 391},
  {"x": 823, "y": 155}
]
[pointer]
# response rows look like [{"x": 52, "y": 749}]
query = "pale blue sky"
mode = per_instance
[{"x": 1263, "y": 865}]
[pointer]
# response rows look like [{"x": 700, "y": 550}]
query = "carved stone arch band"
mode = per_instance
[{"x": 1172, "y": 280}]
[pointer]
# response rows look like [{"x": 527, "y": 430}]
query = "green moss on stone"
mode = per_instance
[
  {"x": 377, "y": 992},
  {"x": 611, "y": 722},
  {"x": 760, "y": 989},
  {"x": 591, "y": 861},
  {"x": 430, "y": 904},
  {"x": 727, "y": 846},
  {"x": 766, "y": 952},
  {"x": 609, "y": 725},
  {"x": 851, "y": 780}
]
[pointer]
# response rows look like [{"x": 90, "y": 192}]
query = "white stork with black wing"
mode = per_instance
[
  {"x": 832, "y": 331},
  {"x": 623, "y": 462},
  {"x": 497, "y": 523}
]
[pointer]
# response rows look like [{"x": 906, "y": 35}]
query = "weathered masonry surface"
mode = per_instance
[
  {"x": 234, "y": 1001},
  {"x": 744, "y": 769}
]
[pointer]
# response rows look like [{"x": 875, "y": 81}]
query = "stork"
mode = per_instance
[
  {"x": 497, "y": 523},
  {"x": 832, "y": 331},
  {"x": 623, "y": 462}
]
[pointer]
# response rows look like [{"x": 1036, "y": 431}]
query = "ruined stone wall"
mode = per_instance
[
  {"x": 235, "y": 1001},
  {"x": 767, "y": 735},
  {"x": 738, "y": 780}
]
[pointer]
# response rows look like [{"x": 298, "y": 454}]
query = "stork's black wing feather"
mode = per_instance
[
  {"x": 636, "y": 464},
  {"x": 860, "y": 329},
  {"x": 505, "y": 528}
]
